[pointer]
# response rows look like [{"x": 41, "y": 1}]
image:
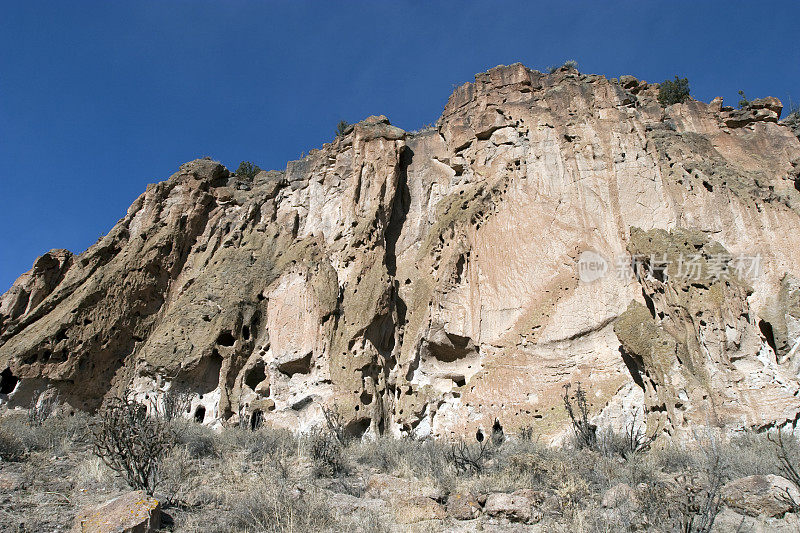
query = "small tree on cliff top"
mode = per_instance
[{"x": 673, "y": 92}]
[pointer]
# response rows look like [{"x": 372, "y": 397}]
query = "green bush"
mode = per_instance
[
  {"x": 247, "y": 170},
  {"x": 673, "y": 92}
]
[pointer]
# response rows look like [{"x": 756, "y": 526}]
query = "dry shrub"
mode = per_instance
[
  {"x": 132, "y": 443},
  {"x": 11, "y": 447},
  {"x": 471, "y": 459},
  {"x": 257, "y": 445},
  {"x": 171, "y": 404},
  {"x": 404, "y": 457},
  {"x": 92, "y": 473},
  {"x": 58, "y": 436},
  {"x": 325, "y": 452},
  {"x": 585, "y": 431},
  {"x": 280, "y": 509},
  {"x": 181, "y": 476},
  {"x": 197, "y": 439},
  {"x": 43, "y": 406}
]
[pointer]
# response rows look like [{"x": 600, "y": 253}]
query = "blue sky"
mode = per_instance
[{"x": 98, "y": 99}]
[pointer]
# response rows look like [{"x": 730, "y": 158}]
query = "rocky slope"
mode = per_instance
[{"x": 431, "y": 282}]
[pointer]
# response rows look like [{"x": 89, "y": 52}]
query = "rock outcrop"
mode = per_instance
[{"x": 429, "y": 283}]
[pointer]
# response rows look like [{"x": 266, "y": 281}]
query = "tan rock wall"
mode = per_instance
[{"x": 429, "y": 283}]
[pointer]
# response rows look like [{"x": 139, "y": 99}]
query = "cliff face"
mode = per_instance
[{"x": 431, "y": 282}]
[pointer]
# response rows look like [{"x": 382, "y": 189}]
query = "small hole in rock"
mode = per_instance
[{"x": 226, "y": 338}]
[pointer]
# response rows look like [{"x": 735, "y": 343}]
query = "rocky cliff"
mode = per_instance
[{"x": 551, "y": 228}]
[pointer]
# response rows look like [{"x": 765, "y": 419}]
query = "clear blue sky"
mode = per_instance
[{"x": 98, "y": 99}]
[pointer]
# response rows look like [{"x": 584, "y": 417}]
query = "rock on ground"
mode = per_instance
[
  {"x": 768, "y": 495},
  {"x": 133, "y": 512}
]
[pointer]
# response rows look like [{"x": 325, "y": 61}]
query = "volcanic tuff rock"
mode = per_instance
[{"x": 427, "y": 282}]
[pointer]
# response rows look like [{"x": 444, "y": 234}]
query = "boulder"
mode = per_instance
[
  {"x": 12, "y": 481},
  {"x": 628, "y": 82},
  {"x": 347, "y": 504},
  {"x": 463, "y": 506},
  {"x": 513, "y": 507},
  {"x": 770, "y": 102},
  {"x": 768, "y": 495},
  {"x": 133, "y": 512}
]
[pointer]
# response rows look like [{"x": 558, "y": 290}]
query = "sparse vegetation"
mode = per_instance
[
  {"x": 172, "y": 405},
  {"x": 470, "y": 458},
  {"x": 326, "y": 455},
  {"x": 568, "y": 64},
  {"x": 793, "y": 108},
  {"x": 341, "y": 128},
  {"x": 787, "y": 454},
  {"x": 673, "y": 92},
  {"x": 132, "y": 443},
  {"x": 743, "y": 101},
  {"x": 585, "y": 431},
  {"x": 241, "y": 480},
  {"x": 247, "y": 170},
  {"x": 634, "y": 440},
  {"x": 335, "y": 424},
  {"x": 11, "y": 448}
]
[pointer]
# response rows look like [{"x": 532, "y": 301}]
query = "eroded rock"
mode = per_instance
[{"x": 428, "y": 284}]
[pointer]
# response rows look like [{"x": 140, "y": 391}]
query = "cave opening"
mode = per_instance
[
  {"x": 8, "y": 381},
  {"x": 256, "y": 419},
  {"x": 769, "y": 335},
  {"x": 297, "y": 366},
  {"x": 200, "y": 414},
  {"x": 255, "y": 375}
]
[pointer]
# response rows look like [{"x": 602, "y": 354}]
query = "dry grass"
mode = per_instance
[{"x": 250, "y": 481}]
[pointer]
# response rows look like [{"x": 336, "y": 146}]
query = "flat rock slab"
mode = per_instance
[{"x": 133, "y": 512}]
